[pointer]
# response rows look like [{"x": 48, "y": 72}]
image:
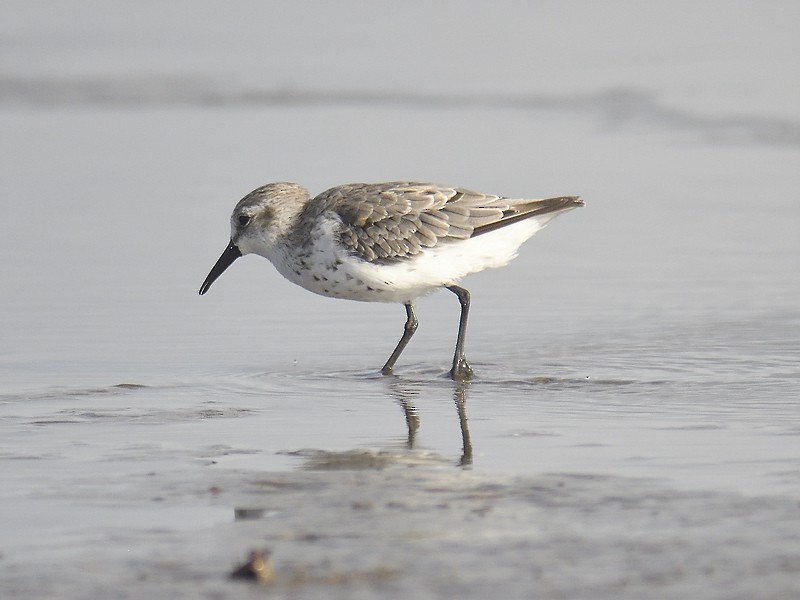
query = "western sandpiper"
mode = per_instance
[{"x": 385, "y": 242}]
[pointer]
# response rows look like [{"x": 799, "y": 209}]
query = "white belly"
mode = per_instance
[{"x": 329, "y": 270}]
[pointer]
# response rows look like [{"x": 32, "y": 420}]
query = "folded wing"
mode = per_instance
[{"x": 386, "y": 222}]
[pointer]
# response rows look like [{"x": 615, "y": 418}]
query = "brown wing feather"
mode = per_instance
[{"x": 393, "y": 221}]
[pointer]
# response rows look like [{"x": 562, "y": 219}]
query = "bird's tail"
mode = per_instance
[{"x": 543, "y": 210}]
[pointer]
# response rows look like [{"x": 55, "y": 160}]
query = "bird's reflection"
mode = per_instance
[
  {"x": 460, "y": 398},
  {"x": 405, "y": 394}
]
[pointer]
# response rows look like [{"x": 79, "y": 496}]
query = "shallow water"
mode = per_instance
[{"x": 632, "y": 428}]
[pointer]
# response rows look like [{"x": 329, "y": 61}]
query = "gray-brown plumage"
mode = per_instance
[{"x": 396, "y": 220}]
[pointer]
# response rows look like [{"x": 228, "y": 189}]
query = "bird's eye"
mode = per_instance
[{"x": 244, "y": 220}]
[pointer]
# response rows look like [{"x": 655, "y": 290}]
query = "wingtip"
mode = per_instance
[{"x": 565, "y": 202}]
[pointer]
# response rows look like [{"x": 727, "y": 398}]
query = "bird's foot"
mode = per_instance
[{"x": 461, "y": 370}]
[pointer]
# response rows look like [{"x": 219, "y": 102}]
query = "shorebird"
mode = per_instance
[{"x": 385, "y": 242}]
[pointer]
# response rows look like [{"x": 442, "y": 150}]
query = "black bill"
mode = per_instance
[{"x": 231, "y": 253}]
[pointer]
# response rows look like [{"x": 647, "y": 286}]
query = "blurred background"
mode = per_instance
[{"x": 130, "y": 130}]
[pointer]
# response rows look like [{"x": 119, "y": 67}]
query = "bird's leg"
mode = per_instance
[
  {"x": 461, "y": 369},
  {"x": 408, "y": 331}
]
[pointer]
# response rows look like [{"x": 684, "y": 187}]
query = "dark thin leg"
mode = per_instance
[
  {"x": 461, "y": 369},
  {"x": 410, "y": 328}
]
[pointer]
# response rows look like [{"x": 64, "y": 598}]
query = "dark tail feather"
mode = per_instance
[{"x": 525, "y": 211}]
